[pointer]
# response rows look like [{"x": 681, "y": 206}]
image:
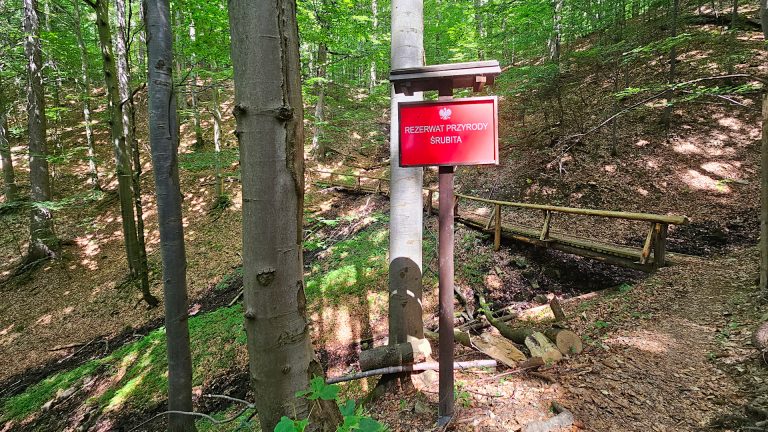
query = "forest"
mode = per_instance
[{"x": 208, "y": 221}]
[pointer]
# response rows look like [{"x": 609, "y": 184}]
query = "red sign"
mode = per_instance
[{"x": 457, "y": 132}]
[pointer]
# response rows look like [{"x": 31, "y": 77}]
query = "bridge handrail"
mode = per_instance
[{"x": 646, "y": 217}]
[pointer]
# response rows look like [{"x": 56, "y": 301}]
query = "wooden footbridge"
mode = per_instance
[{"x": 648, "y": 258}]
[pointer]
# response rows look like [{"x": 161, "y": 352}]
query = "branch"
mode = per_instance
[
  {"x": 92, "y": 3},
  {"x": 133, "y": 93},
  {"x": 248, "y": 406}
]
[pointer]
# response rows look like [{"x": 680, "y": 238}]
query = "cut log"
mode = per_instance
[
  {"x": 566, "y": 341},
  {"x": 458, "y": 335},
  {"x": 760, "y": 337},
  {"x": 390, "y": 355},
  {"x": 516, "y": 335},
  {"x": 499, "y": 349},
  {"x": 540, "y": 346},
  {"x": 557, "y": 310}
]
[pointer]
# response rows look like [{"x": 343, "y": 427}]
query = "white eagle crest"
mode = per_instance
[{"x": 445, "y": 113}]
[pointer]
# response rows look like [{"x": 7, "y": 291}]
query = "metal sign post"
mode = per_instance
[
  {"x": 445, "y": 283},
  {"x": 447, "y": 133}
]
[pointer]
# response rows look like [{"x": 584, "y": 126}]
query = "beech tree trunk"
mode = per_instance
[
  {"x": 164, "y": 140},
  {"x": 6, "y": 159},
  {"x": 318, "y": 146},
  {"x": 764, "y": 17},
  {"x": 405, "y": 223},
  {"x": 217, "y": 140},
  {"x": 268, "y": 110},
  {"x": 667, "y": 115},
  {"x": 199, "y": 143},
  {"x": 85, "y": 82},
  {"x": 42, "y": 239},
  {"x": 119, "y": 144},
  {"x": 555, "y": 40}
]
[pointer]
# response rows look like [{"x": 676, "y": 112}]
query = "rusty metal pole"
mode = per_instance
[{"x": 445, "y": 394}]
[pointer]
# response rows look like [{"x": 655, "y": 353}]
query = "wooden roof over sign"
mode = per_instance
[{"x": 441, "y": 77}]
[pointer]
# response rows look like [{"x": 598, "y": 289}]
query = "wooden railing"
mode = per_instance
[{"x": 651, "y": 256}]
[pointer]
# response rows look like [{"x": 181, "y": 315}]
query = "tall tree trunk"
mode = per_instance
[
  {"x": 764, "y": 203},
  {"x": 6, "y": 159},
  {"x": 735, "y": 15},
  {"x": 405, "y": 222},
  {"x": 217, "y": 141},
  {"x": 129, "y": 129},
  {"x": 667, "y": 114},
  {"x": 141, "y": 55},
  {"x": 555, "y": 39},
  {"x": 268, "y": 110},
  {"x": 193, "y": 92},
  {"x": 42, "y": 239},
  {"x": 121, "y": 147},
  {"x": 318, "y": 146},
  {"x": 764, "y": 18},
  {"x": 375, "y": 18},
  {"x": 164, "y": 140},
  {"x": 85, "y": 82}
]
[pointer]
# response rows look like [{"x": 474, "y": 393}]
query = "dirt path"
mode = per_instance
[{"x": 669, "y": 354}]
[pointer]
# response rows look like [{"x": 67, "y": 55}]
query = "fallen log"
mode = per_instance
[
  {"x": 390, "y": 355},
  {"x": 540, "y": 346},
  {"x": 411, "y": 368},
  {"x": 566, "y": 341},
  {"x": 499, "y": 349},
  {"x": 458, "y": 335}
]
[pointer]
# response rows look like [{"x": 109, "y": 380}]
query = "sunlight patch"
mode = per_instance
[{"x": 645, "y": 341}]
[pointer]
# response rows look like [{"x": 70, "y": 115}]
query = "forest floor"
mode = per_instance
[{"x": 668, "y": 351}]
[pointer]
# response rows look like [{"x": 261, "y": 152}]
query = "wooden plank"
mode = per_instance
[
  {"x": 446, "y": 67},
  {"x": 497, "y": 230},
  {"x": 646, "y": 252},
  {"x": 491, "y": 218},
  {"x": 660, "y": 246},
  {"x": 545, "y": 229},
  {"x": 667, "y": 219}
]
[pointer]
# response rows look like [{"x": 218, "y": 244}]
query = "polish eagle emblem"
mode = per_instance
[{"x": 445, "y": 113}]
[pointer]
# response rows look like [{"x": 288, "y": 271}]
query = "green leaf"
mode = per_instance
[
  {"x": 368, "y": 424},
  {"x": 348, "y": 408},
  {"x": 287, "y": 425}
]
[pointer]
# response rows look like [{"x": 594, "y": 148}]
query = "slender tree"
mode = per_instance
[
  {"x": 216, "y": 108},
  {"x": 318, "y": 146},
  {"x": 405, "y": 223},
  {"x": 85, "y": 83},
  {"x": 268, "y": 110},
  {"x": 6, "y": 160},
  {"x": 764, "y": 17},
  {"x": 120, "y": 146},
  {"x": 164, "y": 140},
  {"x": 42, "y": 239}
]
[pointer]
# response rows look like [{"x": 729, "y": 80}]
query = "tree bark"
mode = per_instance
[
  {"x": 405, "y": 223},
  {"x": 764, "y": 203},
  {"x": 164, "y": 140},
  {"x": 217, "y": 140},
  {"x": 119, "y": 144},
  {"x": 555, "y": 40},
  {"x": 764, "y": 17},
  {"x": 85, "y": 82},
  {"x": 318, "y": 146},
  {"x": 375, "y": 24},
  {"x": 268, "y": 110},
  {"x": 667, "y": 115},
  {"x": 199, "y": 143},
  {"x": 42, "y": 239},
  {"x": 6, "y": 159}
]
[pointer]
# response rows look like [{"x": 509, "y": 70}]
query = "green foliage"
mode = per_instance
[
  {"x": 353, "y": 265},
  {"x": 138, "y": 369},
  {"x": 206, "y": 160},
  {"x": 354, "y": 417}
]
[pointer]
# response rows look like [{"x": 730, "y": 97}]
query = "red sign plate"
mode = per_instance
[{"x": 457, "y": 132}]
